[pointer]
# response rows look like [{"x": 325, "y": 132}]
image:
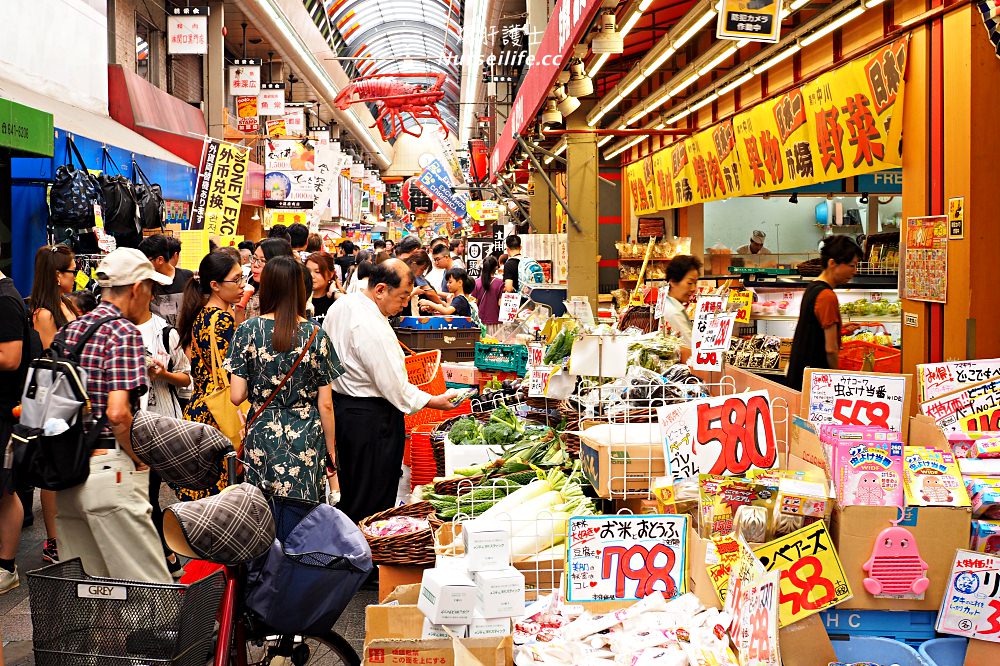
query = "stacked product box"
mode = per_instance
[{"x": 978, "y": 458}]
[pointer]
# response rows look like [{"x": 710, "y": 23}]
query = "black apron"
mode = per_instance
[
  {"x": 370, "y": 439},
  {"x": 809, "y": 343}
]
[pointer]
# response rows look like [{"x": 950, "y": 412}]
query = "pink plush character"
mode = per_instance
[
  {"x": 869, "y": 491},
  {"x": 895, "y": 566}
]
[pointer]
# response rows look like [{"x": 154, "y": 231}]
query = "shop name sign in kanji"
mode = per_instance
[
  {"x": 727, "y": 434},
  {"x": 971, "y": 604},
  {"x": 756, "y": 20},
  {"x": 857, "y": 398},
  {"x": 626, "y": 557},
  {"x": 244, "y": 76},
  {"x": 187, "y": 30},
  {"x": 844, "y": 123}
]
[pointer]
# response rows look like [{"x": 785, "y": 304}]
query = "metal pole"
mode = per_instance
[
  {"x": 563, "y": 160},
  {"x": 548, "y": 183}
]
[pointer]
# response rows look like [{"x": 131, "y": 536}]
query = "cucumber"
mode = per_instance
[{"x": 522, "y": 478}]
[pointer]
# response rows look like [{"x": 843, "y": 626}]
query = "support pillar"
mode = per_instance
[
  {"x": 214, "y": 71},
  {"x": 542, "y": 206},
  {"x": 582, "y": 186}
]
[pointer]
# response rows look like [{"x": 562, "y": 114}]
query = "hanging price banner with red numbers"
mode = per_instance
[
  {"x": 626, "y": 557},
  {"x": 971, "y": 605},
  {"x": 720, "y": 435},
  {"x": 757, "y": 641},
  {"x": 857, "y": 398},
  {"x": 812, "y": 577},
  {"x": 710, "y": 340}
]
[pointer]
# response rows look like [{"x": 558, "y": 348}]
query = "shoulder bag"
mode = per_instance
[{"x": 228, "y": 417}]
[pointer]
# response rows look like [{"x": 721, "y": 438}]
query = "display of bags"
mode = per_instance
[
  {"x": 150, "y": 199},
  {"x": 229, "y": 418},
  {"x": 121, "y": 213},
  {"x": 74, "y": 193}
]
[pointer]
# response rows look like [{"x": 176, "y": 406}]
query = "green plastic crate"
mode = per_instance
[{"x": 502, "y": 358}]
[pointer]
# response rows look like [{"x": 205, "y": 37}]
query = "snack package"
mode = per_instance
[
  {"x": 663, "y": 492},
  {"x": 723, "y": 496},
  {"x": 984, "y": 492},
  {"x": 869, "y": 473},
  {"x": 931, "y": 478},
  {"x": 985, "y": 536}
]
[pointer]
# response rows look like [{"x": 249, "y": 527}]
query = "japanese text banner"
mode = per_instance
[{"x": 844, "y": 123}]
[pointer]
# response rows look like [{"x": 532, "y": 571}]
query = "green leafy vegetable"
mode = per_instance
[{"x": 466, "y": 431}]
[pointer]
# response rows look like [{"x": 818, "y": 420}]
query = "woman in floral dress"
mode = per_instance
[
  {"x": 208, "y": 309},
  {"x": 289, "y": 448}
]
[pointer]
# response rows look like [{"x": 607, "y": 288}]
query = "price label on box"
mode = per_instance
[
  {"x": 857, "y": 398},
  {"x": 971, "y": 604},
  {"x": 510, "y": 303},
  {"x": 757, "y": 641},
  {"x": 538, "y": 381},
  {"x": 626, "y": 557},
  {"x": 536, "y": 352}
]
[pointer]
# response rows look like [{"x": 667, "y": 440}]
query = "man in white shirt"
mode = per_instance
[{"x": 372, "y": 396}]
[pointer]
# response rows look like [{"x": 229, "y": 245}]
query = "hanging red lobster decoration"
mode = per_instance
[{"x": 396, "y": 98}]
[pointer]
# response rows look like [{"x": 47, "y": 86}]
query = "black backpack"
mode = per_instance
[
  {"x": 74, "y": 193},
  {"x": 121, "y": 209},
  {"x": 150, "y": 199}
]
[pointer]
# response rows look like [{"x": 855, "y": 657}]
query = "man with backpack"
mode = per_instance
[
  {"x": 520, "y": 273},
  {"x": 105, "y": 520}
]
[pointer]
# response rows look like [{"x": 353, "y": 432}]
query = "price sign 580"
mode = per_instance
[
  {"x": 851, "y": 411},
  {"x": 743, "y": 426}
]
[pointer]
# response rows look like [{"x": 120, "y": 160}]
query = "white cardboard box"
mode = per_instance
[
  {"x": 499, "y": 593},
  {"x": 483, "y": 627},
  {"x": 460, "y": 373},
  {"x": 487, "y": 545},
  {"x": 438, "y": 631},
  {"x": 446, "y": 596}
]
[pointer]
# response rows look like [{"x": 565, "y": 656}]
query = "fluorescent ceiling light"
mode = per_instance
[
  {"x": 560, "y": 149},
  {"x": 660, "y": 59},
  {"x": 548, "y": 159},
  {"x": 683, "y": 84},
  {"x": 623, "y": 147},
  {"x": 622, "y": 126},
  {"x": 605, "y": 140},
  {"x": 598, "y": 64},
  {"x": 632, "y": 86},
  {"x": 735, "y": 84},
  {"x": 873, "y": 3},
  {"x": 718, "y": 60},
  {"x": 630, "y": 23},
  {"x": 797, "y": 5},
  {"x": 673, "y": 119},
  {"x": 708, "y": 100},
  {"x": 830, "y": 27},
  {"x": 660, "y": 126},
  {"x": 784, "y": 55},
  {"x": 743, "y": 42},
  {"x": 695, "y": 29},
  {"x": 597, "y": 117},
  {"x": 644, "y": 5}
]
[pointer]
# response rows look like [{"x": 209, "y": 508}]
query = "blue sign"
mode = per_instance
[
  {"x": 882, "y": 182},
  {"x": 436, "y": 183}
]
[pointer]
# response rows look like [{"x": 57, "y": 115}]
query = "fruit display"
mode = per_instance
[
  {"x": 878, "y": 338},
  {"x": 865, "y": 308}
]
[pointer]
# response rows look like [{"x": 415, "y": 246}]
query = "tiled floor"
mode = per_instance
[{"x": 15, "y": 613}]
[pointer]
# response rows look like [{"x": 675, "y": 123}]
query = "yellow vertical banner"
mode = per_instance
[
  {"x": 225, "y": 190},
  {"x": 640, "y": 187}
]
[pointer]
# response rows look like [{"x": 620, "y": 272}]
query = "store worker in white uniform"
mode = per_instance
[
  {"x": 373, "y": 394},
  {"x": 682, "y": 279},
  {"x": 756, "y": 245}
]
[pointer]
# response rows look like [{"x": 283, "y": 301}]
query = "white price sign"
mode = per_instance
[
  {"x": 757, "y": 641},
  {"x": 538, "y": 381},
  {"x": 510, "y": 303},
  {"x": 971, "y": 604},
  {"x": 937, "y": 379},
  {"x": 857, "y": 398},
  {"x": 536, "y": 352},
  {"x": 710, "y": 340}
]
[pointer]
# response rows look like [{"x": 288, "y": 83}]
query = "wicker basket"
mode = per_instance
[
  {"x": 414, "y": 549},
  {"x": 451, "y": 486},
  {"x": 638, "y": 316}
]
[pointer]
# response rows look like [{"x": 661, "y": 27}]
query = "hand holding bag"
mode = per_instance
[{"x": 228, "y": 417}]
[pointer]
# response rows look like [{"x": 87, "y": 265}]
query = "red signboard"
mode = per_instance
[{"x": 567, "y": 25}]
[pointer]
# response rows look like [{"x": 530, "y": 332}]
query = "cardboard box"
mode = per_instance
[
  {"x": 392, "y": 637},
  {"x": 485, "y": 627},
  {"x": 487, "y": 545},
  {"x": 624, "y": 463},
  {"x": 806, "y": 643},
  {"x": 447, "y": 596},
  {"x": 937, "y": 530},
  {"x": 699, "y": 582},
  {"x": 460, "y": 373},
  {"x": 542, "y": 573},
  {"x": 391, "y": 576},
  {"x": 499, "y": 593},
  {"x": 459, "y": 456},
  {"x": 431, "y": 630}
]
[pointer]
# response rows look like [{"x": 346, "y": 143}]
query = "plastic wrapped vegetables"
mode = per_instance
[
  {"x": 561, "y": 347},
  {"x": 654, "y": 352}
]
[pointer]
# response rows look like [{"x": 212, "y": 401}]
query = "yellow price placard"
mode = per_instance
[{"x": 741, "y": 302}]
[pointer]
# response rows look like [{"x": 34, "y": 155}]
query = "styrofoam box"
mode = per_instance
[
  {"x": 499, "y": 593},
  {"x": 447, "y": 596},
  {"x": 460, "y": 373}
]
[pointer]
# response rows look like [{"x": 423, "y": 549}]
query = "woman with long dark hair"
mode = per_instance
[
  {"x": 266, "y": 250},
  {"x": 487, "y": 294},
  {"x": 289, "y": 446},
  {"x": 51, "y": 308},
  {"x": 206, "y": 324}
]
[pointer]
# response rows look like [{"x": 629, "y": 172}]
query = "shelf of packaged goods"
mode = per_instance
[
  {"x": 640, "y": 259},
  {"x": 873, "y": 319},
  {"x": 762, "y": 371},
  {"x": 888, "y": 282}
]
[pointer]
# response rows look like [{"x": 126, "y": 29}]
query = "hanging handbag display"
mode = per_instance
[
  {"x": 74, "y": 193},
  {"x": 150, "y": 199},
  {"x": 121, "y": 212},
  {"x": 228, "y": 417}
]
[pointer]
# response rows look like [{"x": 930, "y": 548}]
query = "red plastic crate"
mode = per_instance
[{"x": 485, "y": 377}]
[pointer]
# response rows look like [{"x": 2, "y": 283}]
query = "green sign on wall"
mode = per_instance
[{"x": 25, "y": 129}]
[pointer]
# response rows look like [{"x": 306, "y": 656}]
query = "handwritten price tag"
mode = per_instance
[
  {"x": 971, "y": 605},
  {"x": 625, "y": 557},
  {"x": 971, "y": 409},
  {"x": 745, "y": 570},
  {"x": 937, "y": 379},
  {"x": 757, "y": 641},
  {"x": 720, "y": 435},
  {"x": 509, "y": 305},
  {"x": 710, "y": 340},
  {"x": 856, "y": 398},
  {"x": 812, "y": 577},
  {"x": 538, "y": 381}
]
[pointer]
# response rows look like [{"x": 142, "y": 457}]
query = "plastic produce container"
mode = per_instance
[
  {"x": 881, "y": 651},
  {"x": 944, "y": 651}
]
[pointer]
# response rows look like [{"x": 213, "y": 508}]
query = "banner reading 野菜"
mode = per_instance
[{"x": 844, "y": 123}]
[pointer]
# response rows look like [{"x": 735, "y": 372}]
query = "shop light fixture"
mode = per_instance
[
  {"x": 797, "y": 5},
  {"x": 598, "y": 64},
  {"x": 791, "y": 50},
  {"x": 872, "y": 3},
  {"x": 660, "y": 59},
  {"x": 683, "y": 84},
  {"x": 567, "y": 104},
  {"x": 735, "y": 84},
  {"x": 674, "y": 118},
  {"x": 580, "y": 85},
  {"x": 630, "y": 22},
  {"x": 717, "y": 60},
  {"x": 632, "y": 86},
  {"x": 621, "y": 149},
  {"x": 551, "y": 115},
  {"x": 660, "y": 126},
  {"x": 705, "y": 102},
  {"x": 833, "y": 25},
  {"x": 605, "y": 140},
  {"x": 696, "y": 28}
]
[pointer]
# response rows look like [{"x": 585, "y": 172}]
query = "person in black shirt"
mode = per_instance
[
  {"x": 166, "y": 299},
  {"x": 510, "y": 281},
  {"x": 321, "y": 270},
  {"x": 459, "y": 286}
]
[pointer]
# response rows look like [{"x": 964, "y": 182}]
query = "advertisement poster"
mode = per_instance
[
  {"x": 626, "y": 557},
  {"x": 244, "y": 77},
  {"x": 725, "y": 435},
  {"x": 276, "y": 128},
  {"x": 812, "y": 577},
  {"x": 435, "y": 182},
  {"x": 290, "y": 166},
  {"x": 845, "y": 123},
  {"x": 956, "y": 218},
  {"x": 247, "y": 119},
  {"x": 187, "y": 31},
  {"x": 856, "y": 398},
  {"x": 925, "y": 259},
  {"x": 971, "y": 604},
  {"x": 271, "y": 99},
  {"x": 974, "y": 408},
  {"x": 757, "y": 22},
  {"x": 225, "y": 191},
  {"x": 937, "y": 379}
]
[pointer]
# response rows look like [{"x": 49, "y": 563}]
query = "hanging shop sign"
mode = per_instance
[
  {"x": 973, "y": 408},
  {"x": 925, "y": 259},
  {"x": 247, "y": 120},
  {"x": 187, "y": 31},
  {"x": 244, "y": 76},
  {"x": 937, "y": 379},
  {"x": 720, "y": 435},
  {"x": 289, "y": 217},
  {"x": 857, "y": 398},
  {"x": 276, "y": 128},
  {"x": 271, "y": 99},
  {"x": 476, "y": 249},
  {"x": 435, "y": 182},
  {"x": 812, "y": 577},
  {"x": 844, "y": 123},
  {"x": 219, "y": 213},
  {"x": 290, "y": 166},
  {"x": 956, "y": 218},
  {"x": 757, "y": 640},
  {"x": 483, "y": 211},
  {"x": 626, "y": 557},
  {"x": 295, "y": 121},
  {"x": 971, "y": 604},
  {"x": 324, "y": 178},
  {"x": 756, "y": 21},
  {"x": 25, "y": 129}
]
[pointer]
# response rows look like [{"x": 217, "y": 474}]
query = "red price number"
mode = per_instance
[
  {"x": 739, "y": 426},
  {"x": 655, "y": 566},
  {"x": 993, "y": 620},
  {"x": 812, "y": 590},
  {"x": 707, "y": 358},
  {"x": 861, "y": 412},
  {"x": 984, "y": 422}
]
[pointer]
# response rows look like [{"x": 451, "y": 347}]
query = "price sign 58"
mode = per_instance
[{"x": 851, "y": 411}]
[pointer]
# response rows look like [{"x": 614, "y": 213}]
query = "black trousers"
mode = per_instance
[{"x": 370, "y": 440}]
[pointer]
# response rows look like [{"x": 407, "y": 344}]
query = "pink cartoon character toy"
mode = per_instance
[
  {"x": 895, "y": 567},
  {"x": 869, "y": 491}
]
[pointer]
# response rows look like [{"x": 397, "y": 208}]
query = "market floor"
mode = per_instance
[{"x": 15, "y": 612}]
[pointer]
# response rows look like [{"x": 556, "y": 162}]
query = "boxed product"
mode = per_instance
[
  {"x": 622, "y": 457},
  {"x": 447, "y": 596},
  {"x": 499, "y": 593},
  {"x": 431, "y": 630},
  {"x": 985, "y": 536},
  {"x": 984, "y": 492},
  {"x": 802, "y": 497},
  {"x": 487, "y": 545},
  {"x": 484, "y": 626},
  {"x": 460, "y": 373},
  {"x": 932, "y": 478},
  {"x": 723, "y": 498},
  {"x": 869, "y": 472}
]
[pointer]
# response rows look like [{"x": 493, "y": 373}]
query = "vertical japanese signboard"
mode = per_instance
[
  {"x": 626, "y": 557},
  {"x": 271, "y": 99},
  {"x": 187, "y": 31},
  {"x": 244, "y": 77},
  {"x": 225, "y": 192},
  {"x": 925, "y": 259},
  {"x": 971, "y": 604}
]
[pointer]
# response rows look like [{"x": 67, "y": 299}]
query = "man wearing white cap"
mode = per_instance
[
  {"x": 756, "y": 245},
  {"x": 106, "y": 521}
]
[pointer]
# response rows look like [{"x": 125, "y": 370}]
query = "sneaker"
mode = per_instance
[
  {"x": 176, "y": 568},
  {"x": 8, "y": 580},
  {"x": 50, "y": 551}
]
